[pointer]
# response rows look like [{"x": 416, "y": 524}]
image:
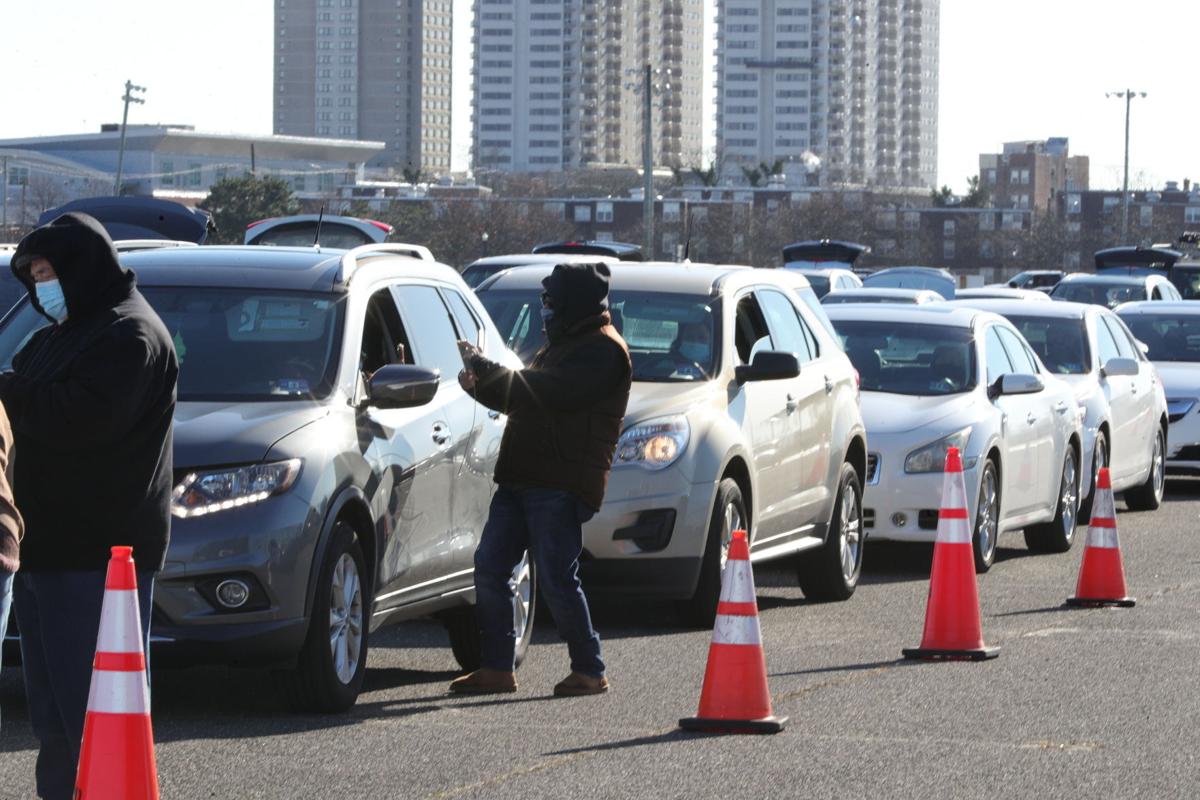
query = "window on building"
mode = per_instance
[
  {"x": 604, "y": 212},
  {"x": 167, "y": 168},
  {"x": 583, "y": 213}
]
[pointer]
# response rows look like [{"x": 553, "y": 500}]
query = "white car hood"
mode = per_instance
[
  {"x": 647, "y": 400},
  {"x": 897, "y": 413},
  {"x": 1181, "y": 379}
]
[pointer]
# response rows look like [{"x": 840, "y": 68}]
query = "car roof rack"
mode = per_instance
[
  {"x": 130, "y": 245},
  {"x": 350, "y": 260}
]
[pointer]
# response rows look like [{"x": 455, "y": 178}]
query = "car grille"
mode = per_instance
[{"x": 872, "y": 468}]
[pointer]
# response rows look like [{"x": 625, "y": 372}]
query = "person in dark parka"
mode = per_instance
[
  {"x": 564, "y": 418},
  {"x": 91, "y": 398}
]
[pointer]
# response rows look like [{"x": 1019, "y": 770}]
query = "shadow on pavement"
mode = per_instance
[
  {"x": 1047, "y": 610},
  {"x": 895, "y": 562},
  {"x": 896, "y": 662},
  {"x": 637, "y": 741}
]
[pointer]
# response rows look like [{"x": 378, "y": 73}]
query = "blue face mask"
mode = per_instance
[
  {"x": 695, "y": 351},
  {"x": 50, "y": 298},
  {"x": 547, "y": 314}
]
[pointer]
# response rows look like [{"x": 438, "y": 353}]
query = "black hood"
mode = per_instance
[
  {"x": 83, "y": 256},
  {"x": 577, "y": 292}
]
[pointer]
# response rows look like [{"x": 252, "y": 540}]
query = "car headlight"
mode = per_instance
[
  {"x": 206, "y": 491},
  {"x": 932, "y": 457},
  {"x": 654, "y": 443},
  {"x": 1178, "y": 408}
]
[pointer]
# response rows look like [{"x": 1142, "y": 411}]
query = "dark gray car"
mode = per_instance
[{"x": 331, "y": 475}]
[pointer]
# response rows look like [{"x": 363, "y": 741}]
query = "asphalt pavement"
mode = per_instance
[{"x": 1080, "y": 703}]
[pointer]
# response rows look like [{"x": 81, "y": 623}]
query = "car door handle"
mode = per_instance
[
  {"x": 828, "y": 385},
  {"x": 441, "y": 434},
  {"x": 1061, "y": 406},
  {"x": 493, "y": 415},
  {"x": 1030, "y": 418},
  {"x": 1132, "y": 387},
  {"x": 791, "y": 404}
]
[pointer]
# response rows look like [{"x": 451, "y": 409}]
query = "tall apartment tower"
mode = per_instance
[
  {"x": 852, "y": 82},
  {"x": 367, "y": 69},
  {"x": 558, "y": 82}
]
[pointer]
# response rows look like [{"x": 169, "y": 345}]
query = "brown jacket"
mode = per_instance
[
  {"x": 565, "y": 410},
  {"x": 11, "y": 526}
]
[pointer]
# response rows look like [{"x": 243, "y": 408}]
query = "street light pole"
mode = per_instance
[
  {"x": 648, "y": 164},
  {"x": 1128, "y": 96},
  {"x": 128, "y": 97}
]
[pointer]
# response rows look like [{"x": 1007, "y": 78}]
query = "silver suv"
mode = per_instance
[
  {"x": 331, "y": 475},
  {"x": 743, "y": 414}
]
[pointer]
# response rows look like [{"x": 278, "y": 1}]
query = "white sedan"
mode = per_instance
[
  {"x": 941, "y": 376},
  {"x": 1171, "y": 333},
  {"x": 1117, "y": 388}
]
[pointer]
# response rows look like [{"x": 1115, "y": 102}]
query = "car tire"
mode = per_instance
[
  {"x": 333, "y": 660},
  {"x": 1099, "y": 459},
  {"x": 1057, "y": 535},
  {"x": 728, "y": 514},
  {"x": 831, "y": 572},
  {"x": 1148, "y": 496},
  {"x": 466, "y": 642},
  {"x": 987, "y": 519}
]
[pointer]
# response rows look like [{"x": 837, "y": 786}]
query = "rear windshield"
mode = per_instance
[
  {"x": 1060, "y": 343},
  {"x": 1187, "y": 281},
  {"x": 901, "y": 358},
  {"x": 1099, "y": 294},
  {"x": 1169, "y": 338},
  {"x": 840, "y": 297},
  {"x": 671, "y": 337},
  {"x": 303, "y": 234}
]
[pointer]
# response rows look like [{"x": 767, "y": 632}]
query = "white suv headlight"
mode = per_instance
[
  {"x": 654, "y": 443},
  {"x": 932, "y": 457},
  {"x": 204, "y": 492}
]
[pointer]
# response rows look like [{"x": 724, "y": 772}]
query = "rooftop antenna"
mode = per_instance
[{"x": 320, "y": 219}]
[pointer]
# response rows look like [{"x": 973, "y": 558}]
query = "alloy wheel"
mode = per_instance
[
  {"x": 345, "y": 618},
  {"x": 522, "y": 586},
  {"x": 988, "y": 515},
  {"x": 1068, "y": 498},
  {"x": 851, "y": 527},
  {"x": 1158, "y": 469},
  {"x": 733, "y": 522}
]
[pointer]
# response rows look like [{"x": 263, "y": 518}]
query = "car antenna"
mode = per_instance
[{"x": 320, "y": 219}]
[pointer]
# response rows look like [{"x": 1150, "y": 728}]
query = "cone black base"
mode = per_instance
[
  {"x": 930, "y": 654},
  {"x": 1087, "y": 602},
  {"x": 706, "y": 725}
]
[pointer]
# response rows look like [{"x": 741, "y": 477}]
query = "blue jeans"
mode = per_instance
[
  {"x": 6, "y": 584},
  {"x": 548, "y": 523},
  {"x": 59, "y": 617}
]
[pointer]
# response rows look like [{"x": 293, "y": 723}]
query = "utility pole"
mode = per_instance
[
  {"x": 648, "y": 164},
  {"x": 128, "y": 97},
  {"x": 1128, "y": 96}
]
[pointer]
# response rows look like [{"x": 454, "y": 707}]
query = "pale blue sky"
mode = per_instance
[{"x": 1010, "y": 69}]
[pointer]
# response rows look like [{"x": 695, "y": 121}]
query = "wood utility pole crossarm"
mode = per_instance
[{"x": 128, "y": 97}]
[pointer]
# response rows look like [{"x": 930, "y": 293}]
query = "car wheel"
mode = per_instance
[
  {"x": 987, "y": 519},
  {"x": 329, "y": 674},
  {"x": 1148, "y": 496},
  {"x": 728, "y": 515},
  {"x": 465, "y": 640},
  {"x": 1057, "y": 535},
  {"x": 831, "y": 572},
  {"x": 1099, "y": 459}
]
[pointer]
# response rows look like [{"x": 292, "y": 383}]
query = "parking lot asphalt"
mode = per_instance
[{"x": 1080, "y": 703}]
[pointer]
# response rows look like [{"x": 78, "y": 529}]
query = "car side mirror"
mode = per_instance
[
  {"x": 1013, "y": 285},
  {"x": 402, "y": 386},
  {"x": 768, "y": 365},
  {"x": 1017, "y": 383},
  {"x": 1120, "y": 367}
]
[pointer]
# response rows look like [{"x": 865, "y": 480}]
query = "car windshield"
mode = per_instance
[
  {"x": 476, "y": 274},
  {"x": 1060, "y": 343},
  {"x": 1173, "y": 338},
  {"x": 233, "y": 345},
  {"x": 1100, "y": 294},
  {"x": 909, "y": 359},
  {"x": 671, "y": 337},
  {"x": 819, "y": 283},
  {"x": 1187, "y": 281}
]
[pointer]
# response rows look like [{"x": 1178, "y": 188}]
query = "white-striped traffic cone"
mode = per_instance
[
  {"x": 1102, "y": 574},
  {"x": 116, "y": 761},
  {"x": 735, "y": 698}
]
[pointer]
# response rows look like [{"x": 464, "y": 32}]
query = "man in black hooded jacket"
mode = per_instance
[
  {"x": 91, "y": 399},
  {"x": 565, "y": 412}
]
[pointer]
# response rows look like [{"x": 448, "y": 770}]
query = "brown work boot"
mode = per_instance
[
  {"x": 577, "y": 685},
  {"x": 485, "y": 681}
]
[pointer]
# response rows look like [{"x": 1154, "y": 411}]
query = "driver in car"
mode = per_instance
[{"x": 690, "y": 354}]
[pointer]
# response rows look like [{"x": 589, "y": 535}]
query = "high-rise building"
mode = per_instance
[
  {"x": 558, "y": 82},
  {"x": 849, "y": 85},
  {"x": 377, "y": 70}
]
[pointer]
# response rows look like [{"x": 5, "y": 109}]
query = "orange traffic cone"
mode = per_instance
[
  {"x": 952, "y": 627},
  {"x": 116, "y": 761},
  {"x": 1102, "y": 575},
  {"x": 735, "y": 697}
]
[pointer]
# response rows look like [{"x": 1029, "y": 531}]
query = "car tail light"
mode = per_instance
[
  {"x": 259, "y": 222},
  {"x": 383, "y": 226}
]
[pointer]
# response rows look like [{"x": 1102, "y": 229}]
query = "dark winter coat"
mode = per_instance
[
  {"x": 11, "y": 526},
  {"x": 91, "y": 402},
  {"x": 565, "y": 409}
]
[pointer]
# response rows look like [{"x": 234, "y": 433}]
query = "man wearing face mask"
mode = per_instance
[
  {"x": 565, "y": 412},
  {"x": 91, "y": 398}
]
